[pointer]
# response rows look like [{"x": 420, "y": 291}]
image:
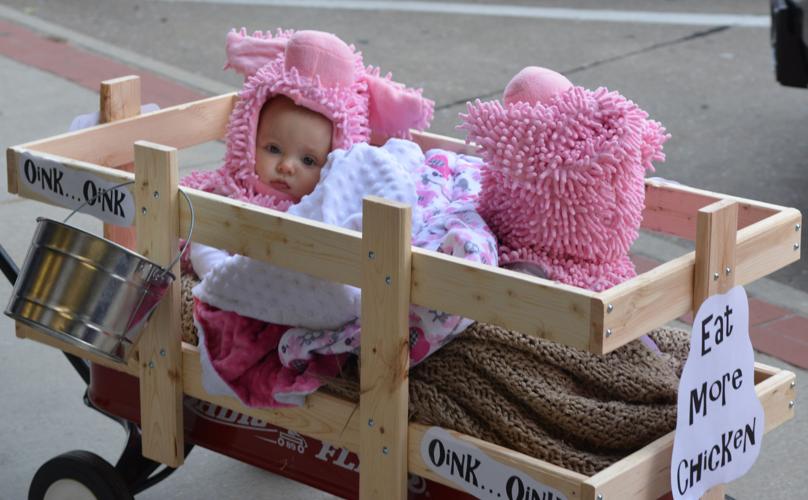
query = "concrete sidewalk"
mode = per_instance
[{"x": 44, "y": 415}]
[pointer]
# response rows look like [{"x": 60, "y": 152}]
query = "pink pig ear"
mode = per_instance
[
  {"x": 248, "y": 53},
  {"x": 394, "y": 109}
]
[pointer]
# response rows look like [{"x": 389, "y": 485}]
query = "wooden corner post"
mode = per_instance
[
  {"x": 385, "y": 353},
  {"x": 716, "y": 236},
  {"x": 120, "y": 99},
  {"x": 160, "y": 345}
]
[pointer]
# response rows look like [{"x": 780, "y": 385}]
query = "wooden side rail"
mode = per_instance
[{"x": 598, "y": 322}]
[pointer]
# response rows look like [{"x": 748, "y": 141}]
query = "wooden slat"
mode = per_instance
[
  {"x": 11, "y": 171},
  {"x": 160, "y": 344},
  {"x": 429, "y": 141},
  {"x": 645, "y": 474},
  {"x": 26, "y": 332},
  {"x": 768, "y": 245},
  {"x": 296, "y": 243},
  {"x": 715, "y": 251},
  {"x": 666, "y": 292},
  {"x": 385, "y": 352},
  {"x": 506, "y": 298},
  {"x": 111, "y": 144},
  {"x": 672, "y": 209},
  {"x": 716, "y": 235},
  {"x": 120, "y": 99}
]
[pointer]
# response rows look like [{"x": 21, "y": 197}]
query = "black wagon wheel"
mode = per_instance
[{"x": 78, "y": 475}]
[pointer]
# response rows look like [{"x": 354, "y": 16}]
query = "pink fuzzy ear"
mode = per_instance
[
  {"x": 394, "y": 108},
  {"x": 248, "y": 53}
]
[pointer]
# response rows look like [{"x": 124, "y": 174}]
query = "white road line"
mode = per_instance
[
  {"x": 615, "y": 16},
  {"x": 125, "y": 56}
]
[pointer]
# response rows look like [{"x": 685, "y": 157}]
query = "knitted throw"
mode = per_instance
[{"x": 574, "y": 409}]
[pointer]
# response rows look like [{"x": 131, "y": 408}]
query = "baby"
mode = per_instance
[
  {"x": 306, "y": 93},
  {"x": 297, "y": 142}
]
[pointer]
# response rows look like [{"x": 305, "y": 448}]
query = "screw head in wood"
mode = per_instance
[
  {"x": 728, "y": 270},
  {"x": 151, "y": 364},
  {"x": 791, "y": 404},
  {"x": 371, "y": 423},
  {"x": 796, "y": 246},
  {"x": 793, "y": 384},
  {"x": 388, "y": 280},
  {"x": 156, "y": 194},
  {"x": 371, "y": 255},
  {"x": 163, "y": 353},
  {"x": 600, "y": 497},
  {"x": 715, "y": 276},
  {"x": 143, "y": 210},
  {"x": 608, "y": 332},
  {"x": 609, "y": 308},
  {"x": 797, "y": 227},
  {"x": 385, "y": 450}
]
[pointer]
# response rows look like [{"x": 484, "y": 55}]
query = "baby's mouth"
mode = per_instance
[{"x": 279, "y": 185}]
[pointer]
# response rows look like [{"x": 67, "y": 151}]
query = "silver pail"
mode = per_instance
[{"x": 86, "y": 290}]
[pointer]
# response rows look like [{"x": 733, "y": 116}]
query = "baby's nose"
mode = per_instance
[{"x": 286, "y": 167}]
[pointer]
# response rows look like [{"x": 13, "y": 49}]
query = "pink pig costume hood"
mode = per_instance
[
  {"x": 320, "y": 72},
  {"x": 563, "y": 183}
]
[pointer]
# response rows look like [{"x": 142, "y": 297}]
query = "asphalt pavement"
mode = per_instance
[{"x": 735, "y": 130}]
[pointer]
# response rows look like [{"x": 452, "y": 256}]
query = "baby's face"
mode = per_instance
[{"x": 291, "y": 147}]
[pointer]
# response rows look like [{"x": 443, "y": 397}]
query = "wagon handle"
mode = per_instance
[{"x": 183, "y": 193}]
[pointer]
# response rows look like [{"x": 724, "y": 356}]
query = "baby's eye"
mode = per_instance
[
  {"x": 273, "y": 149},
  {"x": 309, "y": 161}
]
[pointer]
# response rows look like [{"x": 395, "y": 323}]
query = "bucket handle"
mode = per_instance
[{"x": 187, "y": 200}]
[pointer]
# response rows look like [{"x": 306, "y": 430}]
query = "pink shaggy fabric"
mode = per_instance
[
  {"x": 563, "y": 183},
  {"x": 320, "y": 72}
]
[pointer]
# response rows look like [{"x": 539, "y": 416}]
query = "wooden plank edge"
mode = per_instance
[
  {"x": 111, "y": 144},
  {"x": 646, "y": 472},
  {"x": 11, "y": 170},
  {"x": 744, "y": 203},
  {"x": 155, "y": 117},
  {"x": 27, "y": 332},
  {"x": 428, "y": 140}
]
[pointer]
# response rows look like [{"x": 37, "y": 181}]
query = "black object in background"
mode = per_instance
[{"x": 788, "y": 43}]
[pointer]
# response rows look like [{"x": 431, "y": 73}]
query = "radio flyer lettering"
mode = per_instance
[
  {"x": 476, "y": 473},
  {"x": 719, "y": 425},
  {"x": 69, "y": 187}
]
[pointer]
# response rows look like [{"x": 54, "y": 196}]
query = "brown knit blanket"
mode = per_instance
[{"x": 571, "y": 408}]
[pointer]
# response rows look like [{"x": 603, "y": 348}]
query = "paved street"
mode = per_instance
[{"x": 702, "y": 69}]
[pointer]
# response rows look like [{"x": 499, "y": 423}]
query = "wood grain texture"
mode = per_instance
[
  {"x": 671, "y": 209},
  {"x": 120, "y": 99},
  {"x": 716, "y": 237},
  {"x": 110, "y": 144},
  {"x": 160, "y": 344},
  {"x": 666, "y": 292},
  {"x": 645, "y": 474},
  {"x": 11, "y": 171},
  {"x": 385, "y": 349}
]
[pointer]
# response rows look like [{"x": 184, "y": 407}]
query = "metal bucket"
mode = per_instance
[{"x": 87, "y": 290}]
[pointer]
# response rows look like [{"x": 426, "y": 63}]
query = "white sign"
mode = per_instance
[
  {"x": 69, "y": 187},
  {"x": 719, "y": 419},
  {"x": 476, "y": 473}
]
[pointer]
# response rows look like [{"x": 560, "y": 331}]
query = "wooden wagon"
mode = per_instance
[{"x": 737, "y": 241}]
